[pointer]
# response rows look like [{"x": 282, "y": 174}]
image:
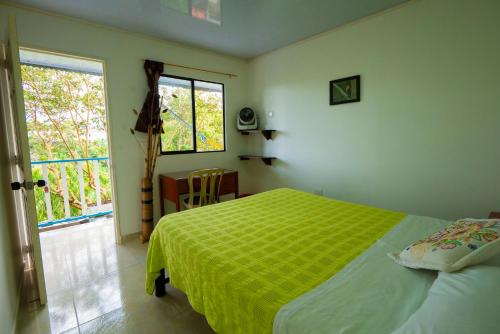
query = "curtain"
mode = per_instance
[{"x": 150, "y": 112}]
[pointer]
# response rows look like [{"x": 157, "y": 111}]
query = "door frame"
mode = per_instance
[{"x": 114, "y": 192}]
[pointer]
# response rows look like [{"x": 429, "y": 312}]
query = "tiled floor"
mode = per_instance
[{"x": 96, "y": 286}]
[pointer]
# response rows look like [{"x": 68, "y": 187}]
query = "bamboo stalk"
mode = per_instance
[
  {"x": 149, "y": 151},
  {"x": 157, "y": 150}
]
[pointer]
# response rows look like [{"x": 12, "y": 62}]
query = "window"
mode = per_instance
[
  {"x": 192, "y": 114},
  {"x": 207, "y": 10}
]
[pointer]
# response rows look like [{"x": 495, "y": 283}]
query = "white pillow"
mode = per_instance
[
  {"x": 463, "y": 243},
  {"x": 464, "y": 302}
]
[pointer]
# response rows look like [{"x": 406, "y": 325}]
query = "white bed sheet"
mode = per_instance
[{"x": 370, "y": 295}]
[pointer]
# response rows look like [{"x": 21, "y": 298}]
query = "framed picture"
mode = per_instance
[{"x": 345, "y": 90}]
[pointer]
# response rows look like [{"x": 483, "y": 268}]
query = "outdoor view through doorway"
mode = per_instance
[{"x": 66, "y": 120}]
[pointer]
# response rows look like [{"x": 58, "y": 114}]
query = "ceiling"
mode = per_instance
[{"x": 249, "y": 27}]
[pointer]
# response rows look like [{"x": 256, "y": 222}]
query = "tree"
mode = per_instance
[{"x": 65, "y": 114}]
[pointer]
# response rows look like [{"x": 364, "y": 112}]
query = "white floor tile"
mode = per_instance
[
  {"x": 96, "y": 286},
  {"x": 56, "y": 317}
]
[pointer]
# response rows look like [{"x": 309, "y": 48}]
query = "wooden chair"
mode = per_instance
[{"x": 210, "y": 181}]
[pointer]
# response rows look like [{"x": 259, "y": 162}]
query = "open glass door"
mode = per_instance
[{"x": 19, "y": 152}]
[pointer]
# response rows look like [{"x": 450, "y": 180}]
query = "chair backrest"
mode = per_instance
[{"x": 210, "y": 181}]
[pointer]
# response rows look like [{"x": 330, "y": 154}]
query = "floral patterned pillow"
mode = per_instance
[{"x": 463, "y": 243}]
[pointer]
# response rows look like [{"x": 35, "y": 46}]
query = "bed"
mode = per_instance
[{"x": 285, "y": 261}]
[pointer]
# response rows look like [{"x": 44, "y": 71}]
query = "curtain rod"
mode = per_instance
[{"x": 230, "y": 75}]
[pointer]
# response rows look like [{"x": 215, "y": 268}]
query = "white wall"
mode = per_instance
[
  {"x": 425, "y": 138},
  {"x": 126, "y": 84}
]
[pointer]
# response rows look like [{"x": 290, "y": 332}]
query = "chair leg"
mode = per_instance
[{"x": 160, "y": 283}]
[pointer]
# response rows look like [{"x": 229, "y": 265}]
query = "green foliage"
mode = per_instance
[
  {"x": 177, "y": 122},
  {"x": 66, "y": 119},
  {"x": 209, "y": 121}
]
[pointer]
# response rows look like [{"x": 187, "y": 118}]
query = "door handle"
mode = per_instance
[
  {"x": 28, "y": 185},
  {"x": 16, "y": 185}
]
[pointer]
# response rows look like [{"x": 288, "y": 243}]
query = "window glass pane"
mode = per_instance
[
  {"x": 209, "y": 105},
  {"x": 178, "y": 119},
  {"x": 207, "y": 10}
]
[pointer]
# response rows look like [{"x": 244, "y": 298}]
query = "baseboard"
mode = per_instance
[{"x": 19, "y": 298}]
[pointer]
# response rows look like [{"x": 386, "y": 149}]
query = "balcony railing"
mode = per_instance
[{"x": 77, "y": 184}]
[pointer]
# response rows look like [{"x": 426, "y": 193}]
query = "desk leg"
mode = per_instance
[
  {"x": 162, "y": 202},
  {"x": 237, "y": 190},
  {"x": 177, "y": 204}
]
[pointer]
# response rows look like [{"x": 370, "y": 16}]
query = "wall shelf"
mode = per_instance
[
  {"x": 268, "y": 134},
  {"x": 267, "y": 160}
]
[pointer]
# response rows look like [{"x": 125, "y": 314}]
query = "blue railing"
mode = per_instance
[
  {"x": 67, "y": 160},
  {"x": 87, "y": 211}
]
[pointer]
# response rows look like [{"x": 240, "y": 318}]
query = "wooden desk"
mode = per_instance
[
  {"x": 174, "y": 184},
  {"x": 494, "y": 215}
]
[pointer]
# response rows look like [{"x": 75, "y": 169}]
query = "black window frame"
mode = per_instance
[{"x": 193, "y": 109}]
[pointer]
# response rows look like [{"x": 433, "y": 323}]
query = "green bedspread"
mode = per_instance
[{"x": 240, "y": 261}]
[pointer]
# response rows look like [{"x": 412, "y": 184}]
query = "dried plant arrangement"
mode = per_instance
[
  {"x": 150, "y": 146},
  {"x": 149, "y": 123}
]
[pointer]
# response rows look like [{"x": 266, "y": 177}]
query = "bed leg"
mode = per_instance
[{"x": 160, "y": 282}]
